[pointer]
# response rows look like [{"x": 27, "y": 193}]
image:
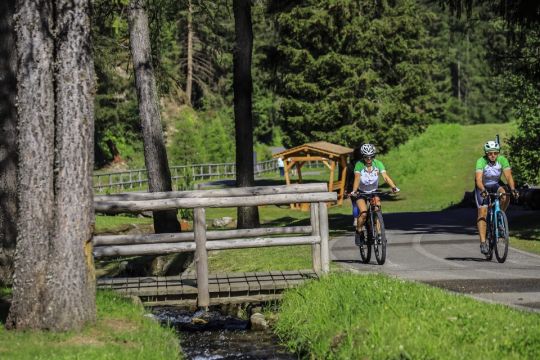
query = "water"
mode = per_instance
[{"x": 212, "y": 335}]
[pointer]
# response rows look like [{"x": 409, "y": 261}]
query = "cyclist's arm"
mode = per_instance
[
  {"x": 388, "y": 180},
  {"x": 356, "y": 182},
  {"x": 478, "y": 180},
  {"x": 509, "y": 178}
]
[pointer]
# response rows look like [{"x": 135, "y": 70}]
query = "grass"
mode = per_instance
[
  {"x": 345, "y": 316},
  {"x": 120, "y": 332},
  {"x": 525, "y": 233}
]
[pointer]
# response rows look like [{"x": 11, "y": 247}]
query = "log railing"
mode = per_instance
[{"x": 201, "y": 241}]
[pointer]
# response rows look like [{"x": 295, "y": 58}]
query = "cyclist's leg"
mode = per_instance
[
  {"x": 355, "y": 211},
  {"x": 362, "y": 207},
  {"x": 481, "y": 222},
  {"x": 505, "y": 200}
]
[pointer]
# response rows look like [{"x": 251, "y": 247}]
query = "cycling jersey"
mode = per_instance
[
  {"x": 369, "y": 180},
  {"x": 491, "y": 172}
]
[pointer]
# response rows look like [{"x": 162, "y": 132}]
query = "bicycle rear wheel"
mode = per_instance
[
  {"x": 501, "y": 242},
  {"x": 365, "y": 248},
  {"x": 379, "y": 238}
]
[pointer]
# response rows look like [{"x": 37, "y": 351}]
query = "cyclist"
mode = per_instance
[
  {"x": 356, "y": 156},
  {"x": 366, "y": 180},
  {"x": 489, "y": 169}
]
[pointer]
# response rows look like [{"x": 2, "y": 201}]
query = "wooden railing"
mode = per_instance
[{"x": 201, "y": 241}]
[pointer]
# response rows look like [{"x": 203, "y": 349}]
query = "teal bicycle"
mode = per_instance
[{"x": 497, "y": 228}]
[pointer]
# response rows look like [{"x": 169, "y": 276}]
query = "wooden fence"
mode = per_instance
[
  {"x": 201, "y": 241},
  {"x": 182, "y": 176}
]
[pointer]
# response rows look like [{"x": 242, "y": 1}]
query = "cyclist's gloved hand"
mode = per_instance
[
  {"x": 395, "y": 189},
  {"x": 484, "y": 193},
  {"x": 515, "y": 193}
]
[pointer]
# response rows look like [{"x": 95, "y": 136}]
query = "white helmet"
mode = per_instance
[
  {"x": 491, "y": 146},
  {"x": 368, "y": 150}
]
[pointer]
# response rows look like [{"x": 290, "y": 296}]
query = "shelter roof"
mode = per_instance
[{"x": 320, "y": 148}]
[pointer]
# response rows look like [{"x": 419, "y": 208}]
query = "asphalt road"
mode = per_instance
[{"x": 442, "y": 249}]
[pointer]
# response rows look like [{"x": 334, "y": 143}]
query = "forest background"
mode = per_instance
[{"x": 342, "y": 71}]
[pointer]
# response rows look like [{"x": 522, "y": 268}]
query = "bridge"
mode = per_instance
[{"x": 200, "y": 287}]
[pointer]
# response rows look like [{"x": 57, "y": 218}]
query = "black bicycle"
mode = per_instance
[
  {"x": 497, "y": 228},
  {"x": 373, "y": 232}
]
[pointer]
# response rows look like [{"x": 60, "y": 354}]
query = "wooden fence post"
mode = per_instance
[
  {"x": 315, "y": 248},
  {"x": 323, "y": 229},
  {"x": 201, "y": 257}
]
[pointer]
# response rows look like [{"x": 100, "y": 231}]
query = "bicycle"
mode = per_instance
[
  {"x": 374, "y": 233},
  {"x": 497, "y": 228}
]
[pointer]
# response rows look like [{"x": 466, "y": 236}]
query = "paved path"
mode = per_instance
[{"x": 442, "y": 249}]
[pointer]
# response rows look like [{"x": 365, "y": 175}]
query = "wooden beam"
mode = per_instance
[
  {"x": 245, "y": 191},
  {"x": 132, "y": 239},
  {"x": 323, "y": 229},
  {"x": 188, "y": 203},
  {"x": 315, "y": 248},
  {"x": 331, "y": 181},
  {"x": 201, "y": 257},
  {"x": 261, "y": 242}
]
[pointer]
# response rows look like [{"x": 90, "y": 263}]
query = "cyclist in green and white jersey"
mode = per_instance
[
  {"x": 489, "y": 169},
  {"x": 366, "y": 180}
]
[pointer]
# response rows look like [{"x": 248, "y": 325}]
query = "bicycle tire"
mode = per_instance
[
  {"x": 501, "y": 243},
  {"x": 365, "y": 249},
  {"x": 379, "y": 239},
  {"x": 489, "y": 238}
]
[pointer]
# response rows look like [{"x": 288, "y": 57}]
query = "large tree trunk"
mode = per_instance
[
  {"x": 8, "y": 133},
  {"x": 155, "y": 154},
  {"x": 248, "y": 217},
  {"x": 54, "y": 282}
]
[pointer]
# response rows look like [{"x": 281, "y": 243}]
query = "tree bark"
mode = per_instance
[
  {"x": 155, "y": 154},
  {"x": 189, "y": 75},
  {"x": 248, "y": 217},
  {"x": 54, "y": 282},
  {"x": 8, "y": 134}
]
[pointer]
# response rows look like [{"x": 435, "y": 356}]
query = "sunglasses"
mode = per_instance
[
  {"x": 492, "y": 153},
  {"x": 368, "y": 157}
]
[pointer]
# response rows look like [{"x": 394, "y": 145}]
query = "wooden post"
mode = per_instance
[
  {"x": 341, "y": 193},
  {"x": 331, "y": 180},
  {"x": 315, "y": 248},
  {"x": 201, "y": 257},
  {"x": 323, "y": 229}
]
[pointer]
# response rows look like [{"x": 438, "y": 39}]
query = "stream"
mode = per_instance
[{"x": 213, "y": 335}]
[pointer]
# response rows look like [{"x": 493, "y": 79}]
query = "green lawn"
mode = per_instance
[
  {"x": 346, "y": 316},
  {"x": 120, "y": 332},
  {"x": 525, "y": 233}
]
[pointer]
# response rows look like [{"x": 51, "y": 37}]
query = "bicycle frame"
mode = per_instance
[{"x": 494, "y": 208}]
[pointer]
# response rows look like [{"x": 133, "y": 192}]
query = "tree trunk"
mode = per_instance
[
  {"x": 8, "y": 134},
  {"x": 54, "y": 281},
  {"x": 155, "y": 155},
  {"x": 189, "y": 75},
  {"x": 248, "y": 217}
]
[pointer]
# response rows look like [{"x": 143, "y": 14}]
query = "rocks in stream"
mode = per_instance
[{"x": 258, "y": 322}]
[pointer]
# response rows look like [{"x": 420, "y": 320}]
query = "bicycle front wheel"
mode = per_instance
[
  {"x": 365, "y": 248},
  {"x": 501, "y": 242},
  {"x": 379, "y": 238}
]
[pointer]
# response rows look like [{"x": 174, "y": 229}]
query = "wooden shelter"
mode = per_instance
[{"x": 330, "y": 154}]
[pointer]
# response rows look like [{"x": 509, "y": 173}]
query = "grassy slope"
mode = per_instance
[
  {"x": 121, "y": 332},
  {"x": 377, "y": 317}
]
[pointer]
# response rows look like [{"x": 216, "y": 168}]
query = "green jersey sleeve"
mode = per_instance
[
  {"x": 505, "y": 164},
  {"x": 379, "y": 165},
  {"x": 359, "y": 166},
  {"x": 481, "y": 164}
]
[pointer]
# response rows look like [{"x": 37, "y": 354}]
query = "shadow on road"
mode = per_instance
[{"x": 474, "y": 259}]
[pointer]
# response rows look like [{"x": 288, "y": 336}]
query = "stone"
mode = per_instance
[
  {"x": 222, "y": 222},
  {"x": 258, "y": 322}
]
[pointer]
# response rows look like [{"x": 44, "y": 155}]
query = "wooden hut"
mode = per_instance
[{"x": 330, "y": 155}]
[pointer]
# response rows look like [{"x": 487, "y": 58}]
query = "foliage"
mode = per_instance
[
  {"x": 525, "y": 144},
  {"x": 347, "y": 78},
  {"x": 378, "y": 317}
]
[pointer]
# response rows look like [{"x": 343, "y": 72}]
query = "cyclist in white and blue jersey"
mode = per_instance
[
  {"x": 489, "y": 169},
  {"x": 366, "y": 180}
]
